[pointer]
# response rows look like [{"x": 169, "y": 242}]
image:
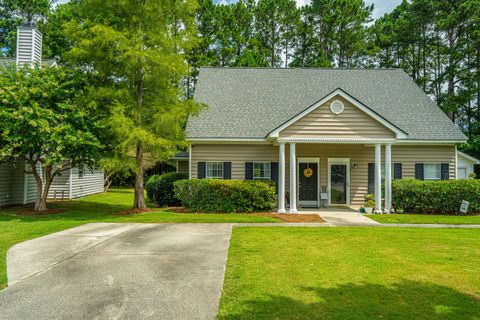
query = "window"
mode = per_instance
[
  {"x": 214, "y": 170},
  {"x": 261, "y": 171},
  {"x": 431, "y": 171},
  {"x": 81, "y": 172}
]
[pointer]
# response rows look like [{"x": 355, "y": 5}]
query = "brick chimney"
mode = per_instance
[{"x": 29, "y": 46}]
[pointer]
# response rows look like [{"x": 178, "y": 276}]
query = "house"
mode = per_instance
[
  {"x": 465, "y": 165},
  {"x": 326, "y": 136},
  {"x": 18, "y": 187}
]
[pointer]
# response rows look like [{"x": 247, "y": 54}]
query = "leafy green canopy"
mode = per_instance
[
  {"x": 41, "y": 119},
  {"x": 135, "y": 50}
]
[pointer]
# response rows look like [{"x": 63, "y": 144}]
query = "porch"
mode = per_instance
[{"x": 333, "y": 174}]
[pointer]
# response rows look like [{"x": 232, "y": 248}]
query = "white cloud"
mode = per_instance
[
  {"x": 380, "y": 6},
  {"x": 301, "y": 3}
]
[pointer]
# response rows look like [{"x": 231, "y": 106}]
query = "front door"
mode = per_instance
[
  {"x": 308, "y": 184},
  {"x": 338, "y": 183}
]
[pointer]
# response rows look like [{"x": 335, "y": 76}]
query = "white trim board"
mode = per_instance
[
  {"x": 335, "y": 140},
  {"x": 339, "y": 92},
  {"x": 275, "y": 141},
  {"x": 228, "y": 140}
]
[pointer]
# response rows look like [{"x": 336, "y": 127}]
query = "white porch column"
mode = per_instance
[
  {"x": 281, "y": 178},
  {"x": 388, "y": 178},
  {"x": 378, "y": 178},
  {"x": 293, "y": 179}
]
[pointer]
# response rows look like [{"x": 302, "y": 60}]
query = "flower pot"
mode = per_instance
[{"x": 368, "y": 210}]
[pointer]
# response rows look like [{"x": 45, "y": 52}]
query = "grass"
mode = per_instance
[
  {"x": 423, "y": 218},
  {"x": 352, "y": 273},
  {"x": 96, "y": 208}
]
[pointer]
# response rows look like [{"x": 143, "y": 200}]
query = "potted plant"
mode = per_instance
[{"x": 369, "y": 203}]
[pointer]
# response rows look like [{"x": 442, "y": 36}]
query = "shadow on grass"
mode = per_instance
[
  {"x": 405, "y": 300},
  {"x": 82, "y": 209}
]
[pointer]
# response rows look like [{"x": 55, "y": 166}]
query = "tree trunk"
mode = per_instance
[
  {"x": 139, "y": 198},
  {"x": 40, "y": 200},
  {"x": 42, "y": 190},
  {"x": 451, "y": 73}
]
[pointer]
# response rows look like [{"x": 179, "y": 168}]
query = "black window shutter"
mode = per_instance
[
  {"x": 274, "y": 173},
  {"x": 201, "y": 170},
  {"x": 444, "y": 171},
  {"x": 227, "y": 170},
  {"x": 371, "y": 178},
  {"x": 248, "y": 170},
  {"x": 419, "y": 171},
  {"x": 397, "y": 171}
]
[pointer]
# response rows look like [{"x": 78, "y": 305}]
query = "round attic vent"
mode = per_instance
[{"x": 337, "y": 107}]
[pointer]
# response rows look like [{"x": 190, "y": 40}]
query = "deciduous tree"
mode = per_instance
[{"x": 43, "y": 122}]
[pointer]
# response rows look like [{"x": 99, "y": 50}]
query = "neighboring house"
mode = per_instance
[
  {"x": 465, "y": 165},
  {"x": 336, "y": 134},
  {"x": 181, "y": 160},
  {"x": 17, "y": 187}
]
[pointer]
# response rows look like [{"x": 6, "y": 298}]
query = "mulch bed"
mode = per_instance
[{"x": 282, "y": 216}]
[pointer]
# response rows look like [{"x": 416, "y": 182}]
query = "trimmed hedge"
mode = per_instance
[
  {"x": 160, "y": 189},
  {"x": 213, "y": 195},
  {"x": 436, "y": 197}
]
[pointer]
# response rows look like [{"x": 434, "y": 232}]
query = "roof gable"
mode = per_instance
[{"x": 355, "y": 121}]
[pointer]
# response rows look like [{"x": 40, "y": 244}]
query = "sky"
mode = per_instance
[{"x": 380, "y": 6}]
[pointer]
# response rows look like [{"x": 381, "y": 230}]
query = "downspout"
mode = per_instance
[
  {"x": 25, "y": 184},
  {"x": 70, "y": 187},
  {"x": 190, "y": 161},
  {"x": 456, "y": 163}
]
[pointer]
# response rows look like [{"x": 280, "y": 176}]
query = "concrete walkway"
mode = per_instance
[
  {"x": 344, "y": 217},
  {"x": 118, "y": 271}
]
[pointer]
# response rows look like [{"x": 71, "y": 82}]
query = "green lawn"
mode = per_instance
[
  {"x": 352, "y": 273},
  {"x": 423, "y": 218},
  {"x": 95, "y": 208}
]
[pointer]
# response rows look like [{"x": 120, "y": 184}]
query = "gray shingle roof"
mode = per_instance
[{"x": 251, "y": 102}]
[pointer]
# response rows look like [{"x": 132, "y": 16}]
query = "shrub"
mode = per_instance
[
  {"x": 160, "y": 188},
  {"x": 370, "y": 200},
  {"x": 149, "y": 185},
  {"x": 212, "y": 195},
  {"x": 436, "y": 197}
]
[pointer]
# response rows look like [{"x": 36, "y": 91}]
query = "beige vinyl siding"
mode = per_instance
[
  {"x": 90, "y": 183},
  {"x": 409, "y": 155},
  {"x": 351, "y": 123},
  {"x": 236, "y": 154},
  {"x": 360, "y": 154},
  {"x": 182, "y": 166},
  {"x": 6, "y": 175},
  {"x": 356, "y": 153}
]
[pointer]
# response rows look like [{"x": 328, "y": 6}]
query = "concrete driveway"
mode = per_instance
[{"x": 118, "y": 271}]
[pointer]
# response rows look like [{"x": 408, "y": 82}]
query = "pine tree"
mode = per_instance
[{"x": 136, "y": 49}]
